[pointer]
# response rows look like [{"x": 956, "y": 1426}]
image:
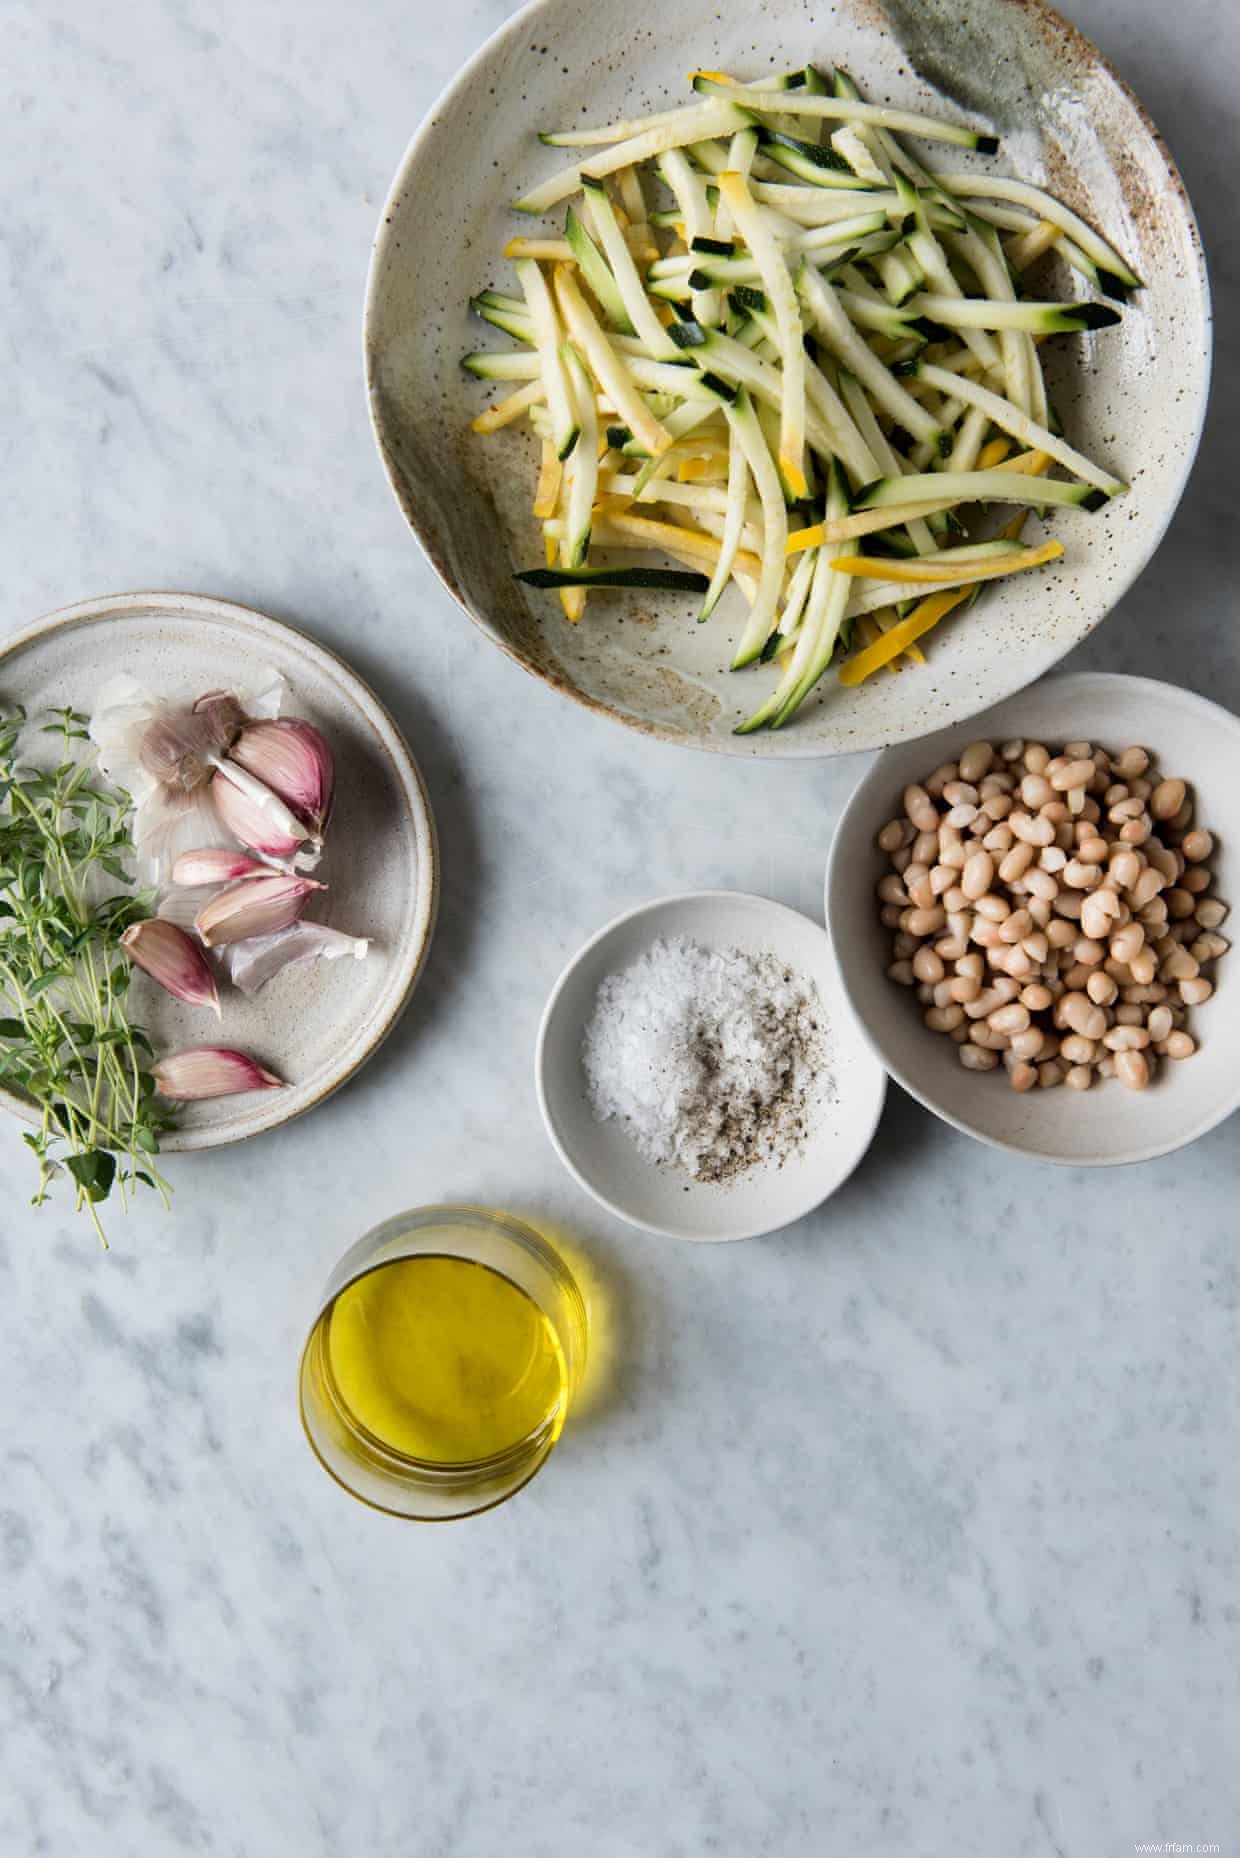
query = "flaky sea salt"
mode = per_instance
[{"x": 708, "y": 1056}]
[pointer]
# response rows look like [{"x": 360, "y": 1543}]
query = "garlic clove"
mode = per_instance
[
  {"x": 254, "y": 814},
  {"x": 210, "y": 1071},
  {"x": 291, "y": 757},
  {"x": 254, "y": 906},
  {"x": 215, "y": 864},
  {"x": 173, "y": 959}
]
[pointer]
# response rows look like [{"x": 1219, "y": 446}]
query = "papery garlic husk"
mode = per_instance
[
  {"x": 215, "y": 864},
  {"x": 173, "y": 959},
  {"x": 252, "y": 963},
  {"x": 254, "y": 906},
  {"x": 259, "y": 817},
  {"x": 210, "y": 1071},
  {"x": 167, "y": 824},
  {"x": 181, "y": 904},
  {"x": 181, "y": 746},
  {"x": 291, "y": 757}
]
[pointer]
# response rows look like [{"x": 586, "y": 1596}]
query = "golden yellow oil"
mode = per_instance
[{"x": 443, "y": 1361}]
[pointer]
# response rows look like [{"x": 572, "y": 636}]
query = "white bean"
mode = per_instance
[
  {"x": 977, "y": 876},
  {"x": 1132, "y": 1069},
  {"x": 977, "y": 760}
]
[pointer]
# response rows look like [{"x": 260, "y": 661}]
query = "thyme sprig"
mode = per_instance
[{"x": 67, "y": 1044}]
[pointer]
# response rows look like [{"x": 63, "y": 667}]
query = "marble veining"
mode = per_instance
[{"x": 911, "y": 1530}]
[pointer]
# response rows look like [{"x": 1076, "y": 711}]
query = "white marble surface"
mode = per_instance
[{"x": 912, "y": 1530}]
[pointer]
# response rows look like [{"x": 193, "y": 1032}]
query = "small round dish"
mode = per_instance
[
  {"x": 313, "y": 1029},
  {"x": 601, "y": 1155},
  {"x": 1110, "y": 1125}
]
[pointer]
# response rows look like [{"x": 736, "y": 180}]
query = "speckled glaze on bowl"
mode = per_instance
[
  {"x": 1110, "y": 1125},
  {"x": 314, "y": 1025},
  {"x": 1134, "y": 397}
]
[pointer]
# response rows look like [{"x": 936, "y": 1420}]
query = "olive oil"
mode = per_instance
[
  {"x": 439, "y": 1370},
  {"x": 443, "y": 1361}
]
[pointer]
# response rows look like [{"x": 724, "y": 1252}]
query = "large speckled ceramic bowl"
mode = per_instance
[
  {"x": 1133, "y": 397},
  {"x": 316, "y": 1024}
]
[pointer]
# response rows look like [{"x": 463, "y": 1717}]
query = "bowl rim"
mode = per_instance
[
  {"x": 151, "y": 604},
  {"x": 1151, "y": 688},
  {"x": 651, "y": 907},
  {"x": 782, "y": 745}
]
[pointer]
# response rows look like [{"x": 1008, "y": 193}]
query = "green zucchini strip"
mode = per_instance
[
  {"x": 546, "y": 326},
  {"x": 1012, "y": 420},
  {"x": 687, "y": 114},
  {"x": 593, "y": 267},
  {"x": 735, "y": 506},
  {"x": 638, "y": 308},
  {"x": 773, "y": 270},
  {"x": 997, "y": 486},
  {"x": 719, "y": 121},
  {"x": 916, "y": 527},
  {"x": 1001, "y": 187},
  {"x": 671, "y": 580},
  {"x": 847, "y": 109},
  {"x": 969, "y": 313},
  {"x": 503, "y": 364},
  {"x": 860, "y": 360},
  {"x": 582, "y": 465},
  {"x": 497, "y": 311},
  {"x": 744, "y": 424},
  {"x": 834, "y": 607}
]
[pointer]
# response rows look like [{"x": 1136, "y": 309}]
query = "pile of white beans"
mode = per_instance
[{"x": 1053, "y": 912}]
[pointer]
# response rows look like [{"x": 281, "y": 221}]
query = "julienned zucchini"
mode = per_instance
[
  {"x": 666, "y": 580},
  {"x": 976, "y": 487},
  {"x": 799, "y": 374}
]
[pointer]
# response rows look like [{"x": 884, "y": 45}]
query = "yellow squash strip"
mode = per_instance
[
  {"x": 869, "y": 522},
  {"x": 994, "y": 454},
  {"x": 539, "y": 248},
  {"x": 1022, "y": 252},
  {"x": 547, "y": 495},
  {"x": 696, "y": 542},
  {"x": 862, "y": 522},
  {"x": 606, "y": 366},
  {"x": 875, "y": 568},
  {"x": 888, "y": 618},
  {"x": 509, "y": 408},
  {"x": 573, "y": 600},
  {"x": 925, "y": 614},
  {"x": 703, "y": 470}
]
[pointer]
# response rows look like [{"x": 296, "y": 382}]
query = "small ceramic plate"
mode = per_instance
[
  {"x": 1189, "y": 737},
  {"x": 602, "y": 1156},
  {"x": 314, "y": 1025},
  {"x": 1133, "y": 397}
]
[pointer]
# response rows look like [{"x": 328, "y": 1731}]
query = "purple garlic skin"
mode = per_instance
[
  {"x": 210, "y": 1071},
  {"x": 256, "y": 814},
  {"x": 215, "y": 864},
  {"x": 292, "y": 758},
  {"x": 173, "y": 959}
]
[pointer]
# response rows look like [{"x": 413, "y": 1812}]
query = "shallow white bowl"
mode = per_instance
[
  {"x": 1110, "y": 1125},
  {"x": 602, "y": 1156},
  {"x": 1133, "y": 397}
]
